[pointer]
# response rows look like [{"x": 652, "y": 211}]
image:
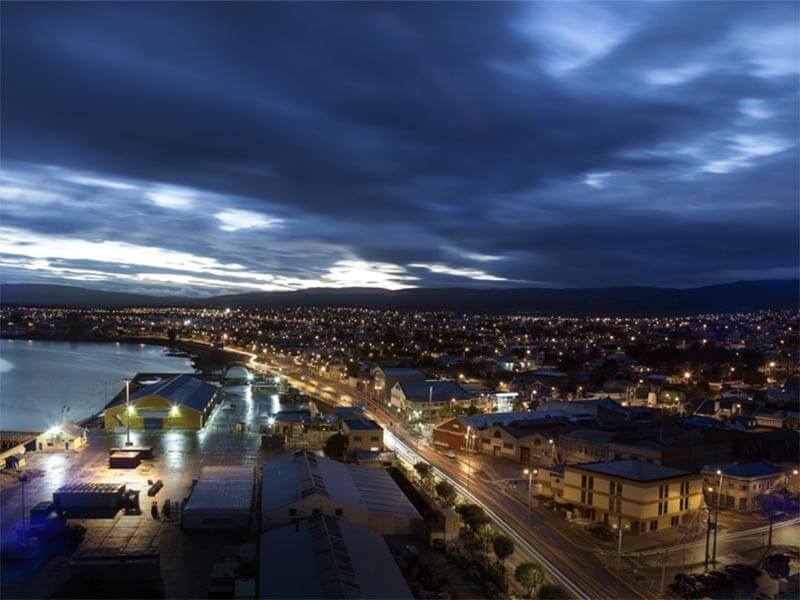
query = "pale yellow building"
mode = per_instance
[
  {"x": 66, "y": 436},
  {"x": 642, "y": 496}
]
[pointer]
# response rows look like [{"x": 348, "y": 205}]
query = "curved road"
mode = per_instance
[{"x": 576, "y": 568}]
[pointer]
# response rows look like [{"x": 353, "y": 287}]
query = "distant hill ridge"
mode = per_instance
[{"x": 741, "y": 296}]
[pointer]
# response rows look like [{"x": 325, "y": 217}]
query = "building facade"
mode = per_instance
[
  {"x": 742, "y": 485},
  {"x": 639, "y": 496},
  {"x": 180, "y": 402}
]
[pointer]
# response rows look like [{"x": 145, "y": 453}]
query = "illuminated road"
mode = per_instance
[
  {"x": 725, "y": 537},
  {"x": 577, "y": 569}
]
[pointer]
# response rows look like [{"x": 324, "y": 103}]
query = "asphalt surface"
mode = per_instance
[{"x": 577, "y": 569}]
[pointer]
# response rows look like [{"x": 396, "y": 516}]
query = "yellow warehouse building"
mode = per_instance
[{"x": 180, "y": 402}]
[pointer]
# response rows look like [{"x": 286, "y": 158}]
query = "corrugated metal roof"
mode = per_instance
[
  {"x": 183, "y": 390},
  {"x": 327, "y": 558},
  {"x": 438, "y": 391},
  {"x": 289, "y": 478}
]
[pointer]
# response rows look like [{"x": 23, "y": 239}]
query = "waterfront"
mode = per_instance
[{"x": 38, "y": 377}]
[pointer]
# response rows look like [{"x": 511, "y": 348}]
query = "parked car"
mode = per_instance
[{"x": 601, "y": 531}]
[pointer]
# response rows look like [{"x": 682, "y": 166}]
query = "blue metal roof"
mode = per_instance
[
  {"x": 756, "y": 469},
  {"x": 361, "y": 424},
  {"x": 183, "y": 390},
  {"x": 436, "y": 390}
]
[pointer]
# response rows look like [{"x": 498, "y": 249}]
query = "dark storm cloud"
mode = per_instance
[{"x": 279, "y": 146}]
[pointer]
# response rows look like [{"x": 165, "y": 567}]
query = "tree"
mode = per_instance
[
  {"x": 423, "y": 469},
  {"x": 503, "y": 547},
  {"x": 528, "y": 576},
  {"x": 486, "y": 534},
  {"x": 473, "y": 516},
  {"x": 446, "y": 492},
  {"x": 552, "y": 591},
  {"x": 334, "y": 446}
]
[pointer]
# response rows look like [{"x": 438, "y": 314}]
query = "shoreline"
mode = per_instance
[
  {"x": 194, "y": 349},
  {"x": 201, "y": 356}
]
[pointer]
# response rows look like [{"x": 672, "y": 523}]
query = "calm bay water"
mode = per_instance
[{"x": 38, "y": 378}]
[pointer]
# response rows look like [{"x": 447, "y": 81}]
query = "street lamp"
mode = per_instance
[
  {"x": 128, "y": 411},
  {"x": 530, "y": 473},
  {"x": 619, "y": 527},
  {"x": 22, "y": 479}
]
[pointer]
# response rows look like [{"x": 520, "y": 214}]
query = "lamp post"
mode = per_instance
[
  {"x": 128, "y": 412},
  {"x": 619, "y": 550},
  {"x": 530, "y": 473},
  {"x": 22, "y": 479}
]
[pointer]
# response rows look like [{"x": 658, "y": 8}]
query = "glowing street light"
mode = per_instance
[{"x": 530, "y": 473}]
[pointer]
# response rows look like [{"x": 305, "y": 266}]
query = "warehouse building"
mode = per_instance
[
  {"x": 222, "y": 498},
  {"x": 326, "y": 557},
  {"x": 180, "y": 402},
  {"x": 303, "y": 485}
]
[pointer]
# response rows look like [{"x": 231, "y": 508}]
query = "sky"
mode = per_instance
[{"x": 203, "y": 148}]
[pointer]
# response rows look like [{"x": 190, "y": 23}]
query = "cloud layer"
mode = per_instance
[{"x": 201, "y": 148}]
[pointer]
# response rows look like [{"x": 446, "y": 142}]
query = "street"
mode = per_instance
[{"x": 576, "y": 568}]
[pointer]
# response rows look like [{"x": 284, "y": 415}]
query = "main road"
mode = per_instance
[{"x": 577, "y": 569}]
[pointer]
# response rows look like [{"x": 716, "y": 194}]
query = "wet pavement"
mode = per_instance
[{"x": 186, "y": 558}]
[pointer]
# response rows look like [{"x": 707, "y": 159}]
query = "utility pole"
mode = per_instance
[
  {"x": 619, "y": 551},
  {"x": 716, "y": 518},
  {"x": 469, "y": 462}
]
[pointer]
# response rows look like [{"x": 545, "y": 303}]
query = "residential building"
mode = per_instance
[
  {"x": 528, "y": 437},
  {"x": 778, "y": 419},
  {"x": 637, "y": 495},
  {"x": 384, "y": 378},
  {"x": 424, "y": 400},
  {"x": 362, "y": 434}
]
